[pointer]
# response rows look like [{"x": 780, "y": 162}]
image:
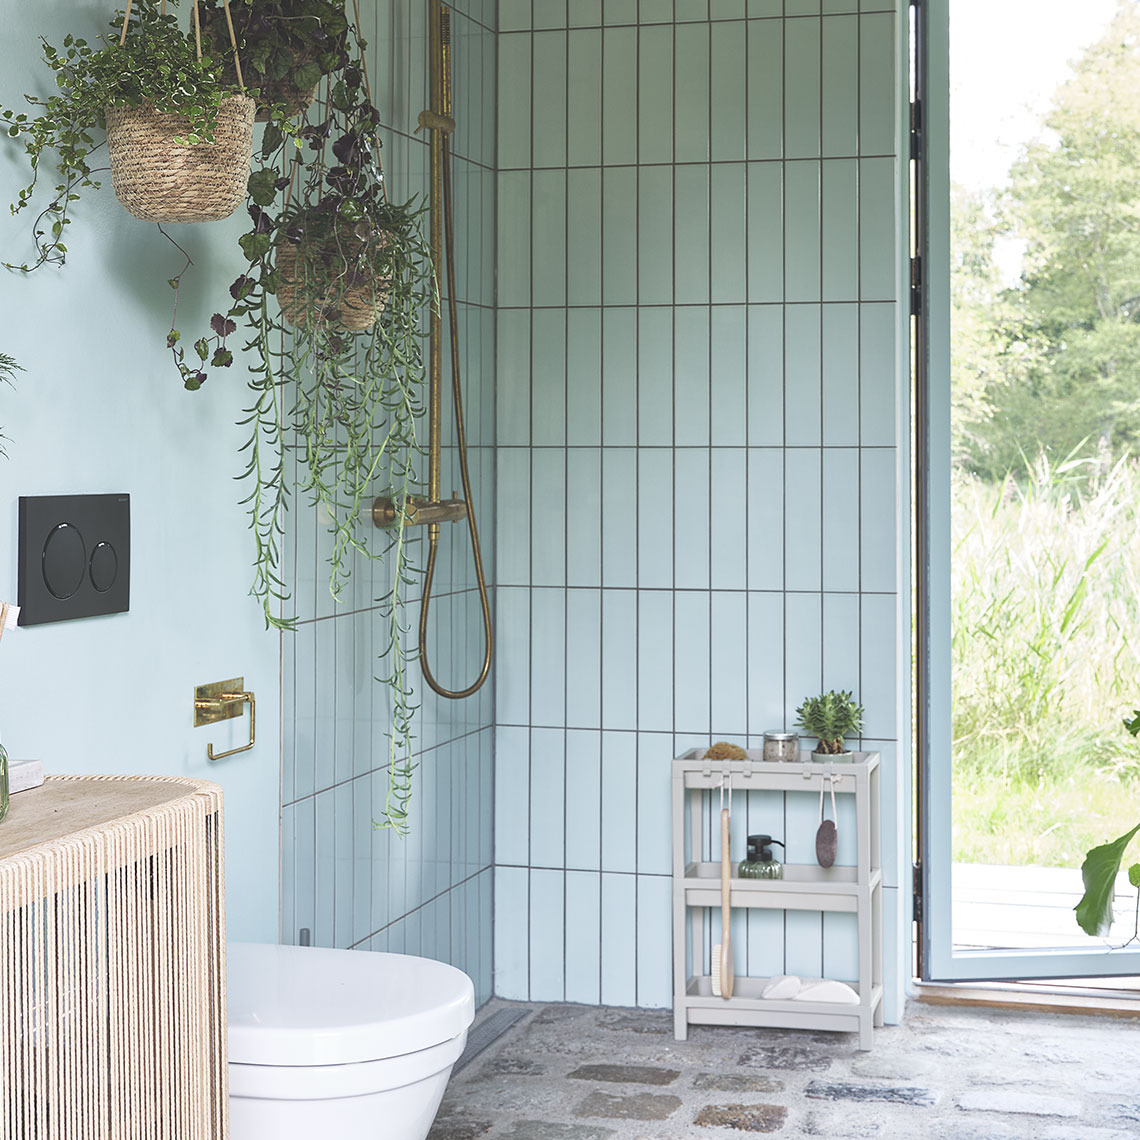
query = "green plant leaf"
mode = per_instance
[
  {"x": 263, "y": 185},
  {"x": 1134, "y": 875},
  {"x": 1099, "y": 871}
]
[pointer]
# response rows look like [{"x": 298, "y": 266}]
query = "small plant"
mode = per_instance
[
  {"x": 8, "y": 368},
  {"x": 156, "y": 65},
  {"x": 1099, "y": 871},
  {"x": 831, "y": 717}
]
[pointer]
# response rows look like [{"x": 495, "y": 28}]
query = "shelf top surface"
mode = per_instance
[{"x": 694, "y": 761}]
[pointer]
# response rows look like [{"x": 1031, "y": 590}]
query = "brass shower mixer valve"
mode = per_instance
[{"x": 419, "y": 511}]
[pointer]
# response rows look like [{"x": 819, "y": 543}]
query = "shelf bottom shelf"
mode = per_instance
[{"x": 698, "y": 1005}]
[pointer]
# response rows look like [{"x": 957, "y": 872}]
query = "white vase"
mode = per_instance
[{"x": 832, "y": 757}]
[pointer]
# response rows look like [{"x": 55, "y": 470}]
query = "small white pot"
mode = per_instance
[{"x": 832, "y": 757}]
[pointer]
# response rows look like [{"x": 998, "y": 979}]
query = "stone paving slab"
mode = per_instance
[{"x": 567, "y": 1072}]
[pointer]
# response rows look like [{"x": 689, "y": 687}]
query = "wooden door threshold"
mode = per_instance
[{"x": 1081, "y": 997}]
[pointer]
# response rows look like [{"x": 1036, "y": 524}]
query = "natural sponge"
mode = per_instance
[{"x": 722, "y": 750}]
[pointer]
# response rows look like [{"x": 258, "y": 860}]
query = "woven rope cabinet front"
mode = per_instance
[{"x": 112, "y": 961}]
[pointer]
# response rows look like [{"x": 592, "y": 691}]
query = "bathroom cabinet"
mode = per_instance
[{"x": 854, "y": 889}]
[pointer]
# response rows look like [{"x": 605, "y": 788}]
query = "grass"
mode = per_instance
[{"x": 1046, "y": 661}]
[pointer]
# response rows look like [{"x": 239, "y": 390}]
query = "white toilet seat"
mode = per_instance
[
  {"x": 301, "y": 1006},
  {"x": 326, "y": 1082}
]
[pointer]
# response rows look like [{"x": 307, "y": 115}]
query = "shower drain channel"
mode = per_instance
[{"x": 487, "y": 1032}]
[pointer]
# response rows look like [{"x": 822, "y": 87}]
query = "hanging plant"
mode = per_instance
[
  {"x": 145, "y": 85},
  {"x": 8, "y": 369},
  {"x": 333, "y": 303},
  {"x": 286, "y": 47}
]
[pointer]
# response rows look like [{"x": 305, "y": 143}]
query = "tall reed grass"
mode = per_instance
[{"x": 1046, "y": 659}]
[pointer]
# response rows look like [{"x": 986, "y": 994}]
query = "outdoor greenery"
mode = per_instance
[{"x": 1046, "y": 493}]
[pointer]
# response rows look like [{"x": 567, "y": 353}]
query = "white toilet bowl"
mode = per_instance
[{"x": 353, "y": 1044}]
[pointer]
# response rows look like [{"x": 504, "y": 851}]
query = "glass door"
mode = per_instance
[{"x": 1028, "y": 481}]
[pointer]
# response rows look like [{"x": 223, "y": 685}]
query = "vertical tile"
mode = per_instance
[
  {"x": 691, "y": 666},
  {"x": 654, "y": 526},
  {"x": 879, "y": 689},
  {"x": 584, "y": 937},
  {"x": 548, "y": 378},
  {"x": 620, "y": 11},
  {"x": 514, "y": 508},
  {"x": 877, "y": 236},
  {"x": 691, "y": 519},
  {"x": 512, "y": 638},
  {"x": 839, "y": 223},
  {"x": 728, "y": 212},
  {"x": 548, "y": 658},
  {"x": 547, "y": 926},
  {"x": 619, "y": 801},
  {"x": 655, "y": 650},
  {"x": 765, "y": 375},
  {"x": 654, "y": 235},
  {"x": 841, "y": 367},
  {"x": 548, "y": 526},
  {"x": 619, "y": 95},
  {"x": 514, "y": 15},
  {"x": 728, "y": 342},
  {"x": 654, "y": 935},
  {"x": 841, "y": 947},
  {"x": 584, "y": 237},
  {"x": 584, "y": 106},
  {"x": 585, "y": 13},
  {"x": 619, "y": 235},
  {"x": 511, "y": 933},
  {"x": 765, "y": 232},
  {"x": 728, "y": 522},
  {"x": 765, "y": 88},
  {"x": 801, "y": 231},
  {"x": 765, "y": 519},
  {"x": 802, "y": 375},
  {"x": 655, "y": 95},
  {"x": 583, "y": 651},
  {"x": 619, "y": 659},
  {"x": 879, "y": 518},
  {"x": 691, "y": 10},
  {"x": 840, "y": 519},
  {"x": 654, "y": 377},
  {"x": 840, "y": 45},
  {"x": 583, "y": 511},
  {"x": 655, "y": 12},
  {"x": 766, "y": 703},
  {"x": 803, "y": 526},
  {"x": 619, "y": 940},
  {"x": 841, "y": 642},
  {"x": 878, "y": 349},
  {"x": 691, "y": 376},
  {"x": 691, "y": 94},
  {"x": 549, "y": 99},
  {"x": 584, "y": 804},
  {"x": 547, "y": 797},
  {"x": 803, "y": 953},
  {"x": 619, "y": 376},
  {"x": 584, "y": 377},
  {"x": 729, "y": 664},
  {"x": 619, "y": 538},
  {"x": 691, "y": 266},
  {"x": 765, "y": 942},
  {"x": 803, "y": 651},
  {"x": 877, "y": 87},
  {"x": 514, "y": 239},
  {"x": 514, "y": 105},
  {"x": 728, "y": 105},
  {"x": 548, "y": 238},
  {"x": 801, "y": 87}
]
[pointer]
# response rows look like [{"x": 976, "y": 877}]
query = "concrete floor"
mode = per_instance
[{"x": 567, "y": 1072}]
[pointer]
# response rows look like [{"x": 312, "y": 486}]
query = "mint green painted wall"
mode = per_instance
[
  {"x": 100, "y": 409},
  {"x": 701, "y": 457}
]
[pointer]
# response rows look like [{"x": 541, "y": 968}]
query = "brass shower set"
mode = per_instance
[{"x": 432, "y": 510}]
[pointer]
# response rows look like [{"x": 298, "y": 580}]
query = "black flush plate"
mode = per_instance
[{"x": 75, "y": 557}]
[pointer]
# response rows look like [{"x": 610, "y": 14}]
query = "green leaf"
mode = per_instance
[
  {"x": 255, "y": 245},
  {"x": 307, "y": 76},
  {"x": 262, "y": 188},
  {"x": 202, "y": 348},
  {"x": 1099, "y": 871},
  {"x": 1134, "y": 875}
]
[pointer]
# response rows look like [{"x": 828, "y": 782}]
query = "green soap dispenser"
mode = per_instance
[{"x": 759, "y": 863}]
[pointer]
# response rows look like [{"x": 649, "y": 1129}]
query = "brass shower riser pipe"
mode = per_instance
[{"x": 419, "y": 511}]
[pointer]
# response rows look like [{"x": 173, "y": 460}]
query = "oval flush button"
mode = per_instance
[
  {"x": 64, "y": 561},
  {"x": 104, "y": 567}
]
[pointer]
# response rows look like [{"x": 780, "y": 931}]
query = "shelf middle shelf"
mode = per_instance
[{"x": 803, "y": 887}]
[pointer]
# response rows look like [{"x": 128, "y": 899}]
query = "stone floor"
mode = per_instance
[{"x": 566, "y": 1072}]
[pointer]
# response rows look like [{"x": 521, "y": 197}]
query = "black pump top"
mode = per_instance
[{"x": 760, "y": 848}]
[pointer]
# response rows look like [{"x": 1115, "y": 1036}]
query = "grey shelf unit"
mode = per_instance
[{"x": 854, "y": 889}]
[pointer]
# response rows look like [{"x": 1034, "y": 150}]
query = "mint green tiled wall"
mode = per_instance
[
  {"x": 699, "y": 452},
  {"x": 351, "y": 886}
]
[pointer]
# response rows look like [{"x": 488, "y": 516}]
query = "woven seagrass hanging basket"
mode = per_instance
[
  {"x": 159, "y": 179},
  {"x": 317, "y": 288}
]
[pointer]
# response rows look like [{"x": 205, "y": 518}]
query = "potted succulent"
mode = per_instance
[
  {"x": 831, "y": 717},
  {"x": 179, "y": 134}
]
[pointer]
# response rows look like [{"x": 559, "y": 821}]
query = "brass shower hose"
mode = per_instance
[{"x": 461, "y": 439}]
